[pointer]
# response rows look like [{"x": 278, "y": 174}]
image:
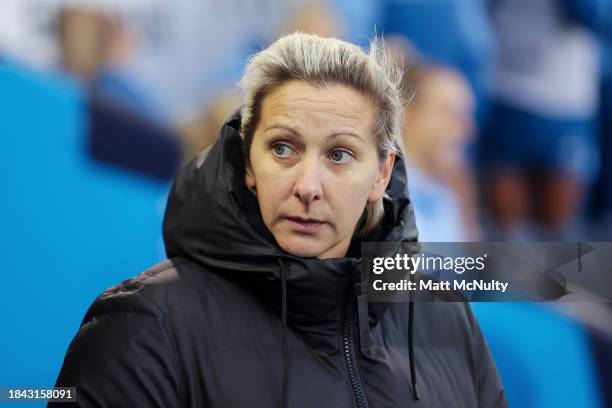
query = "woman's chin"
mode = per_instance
[
  {"x": 304, "y": 247},
  {"x": 312, "y": 247}
]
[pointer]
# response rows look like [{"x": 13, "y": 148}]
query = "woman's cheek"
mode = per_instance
[{"x": 348, "y": 197}]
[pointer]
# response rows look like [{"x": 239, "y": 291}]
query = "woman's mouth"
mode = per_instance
[{"x": 305, "y": 225}]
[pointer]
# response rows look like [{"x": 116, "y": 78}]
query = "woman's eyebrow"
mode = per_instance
[
  {"x": 345, "y": 132},
  {"x": 283, "y": 127},
  {"x": 295, "y": 132}
]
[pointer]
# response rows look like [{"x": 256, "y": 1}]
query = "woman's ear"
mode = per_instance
[
  {"x": 382, "y": 180},
  {"x": 249, "y": 177}
]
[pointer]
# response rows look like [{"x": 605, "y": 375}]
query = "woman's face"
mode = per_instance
[{"x": 314, "y": 164}]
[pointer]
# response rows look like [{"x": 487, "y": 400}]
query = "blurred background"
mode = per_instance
[{"x": 508, "y": 136}]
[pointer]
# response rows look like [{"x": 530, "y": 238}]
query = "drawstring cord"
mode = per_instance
[
  {"x": 415, "y": 390},
  {"x": 285, "y": 346}
]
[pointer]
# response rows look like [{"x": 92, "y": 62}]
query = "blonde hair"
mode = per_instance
[{"x": 325, "y": 61}]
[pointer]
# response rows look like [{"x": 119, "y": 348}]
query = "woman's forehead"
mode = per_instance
[{"x": 300, "y": 106}]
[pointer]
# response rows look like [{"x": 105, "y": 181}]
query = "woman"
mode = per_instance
[{"x": 257, "y": 304}]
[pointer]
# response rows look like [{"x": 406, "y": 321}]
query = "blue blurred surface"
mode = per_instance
[
  {"x": 545, "y": 359},
  {"x": 70, "y": 227}
]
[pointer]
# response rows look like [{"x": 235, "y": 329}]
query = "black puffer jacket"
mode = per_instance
[{"x": 231, "y": 321}]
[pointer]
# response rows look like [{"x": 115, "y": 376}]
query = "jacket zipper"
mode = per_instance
[{"x": 348, "y": 332}]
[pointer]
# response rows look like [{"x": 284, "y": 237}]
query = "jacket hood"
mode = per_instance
[{"x": 214, "y": 220}]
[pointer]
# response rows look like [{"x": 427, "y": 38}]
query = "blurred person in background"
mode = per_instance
[
  {"x": 438, "y": 127},
  {"x": 123, "y": 127},
  {"x": 453, "y": 33},
  {"x": 538, "y": 152},
  {"x": 95, "y": 46},
  {"x": 601, "y": 199}
]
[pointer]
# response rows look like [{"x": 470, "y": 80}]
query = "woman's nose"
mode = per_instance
[{"x": 309, "y": 184}]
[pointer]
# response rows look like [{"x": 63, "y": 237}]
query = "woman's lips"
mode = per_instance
[{"x": 305, "y": 225}]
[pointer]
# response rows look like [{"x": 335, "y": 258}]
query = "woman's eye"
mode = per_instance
[
  {"x": 340, "y": 156},
  {"x": 282, "y": 149}
]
